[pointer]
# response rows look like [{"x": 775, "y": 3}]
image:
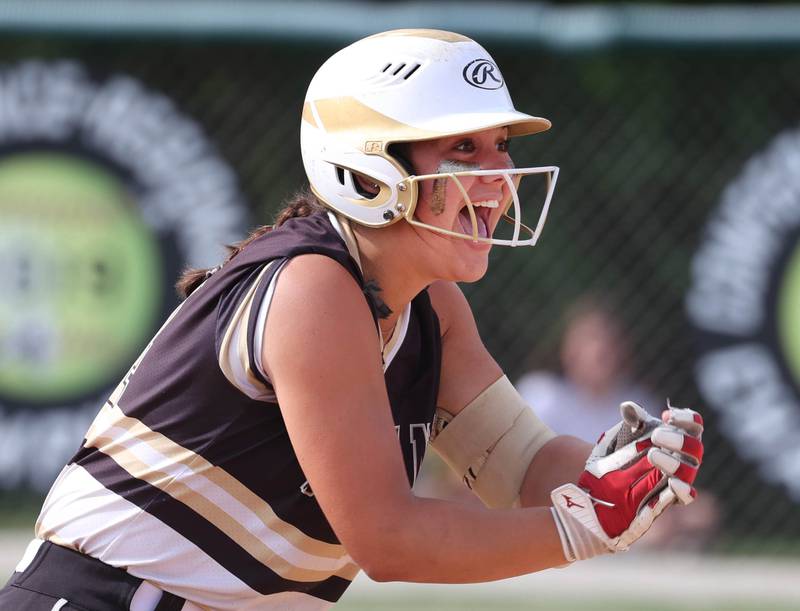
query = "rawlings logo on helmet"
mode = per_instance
[{"x": 483, "y": 74}]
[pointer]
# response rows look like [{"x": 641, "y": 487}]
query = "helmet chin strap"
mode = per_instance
[{"x": 447, "y": 166}]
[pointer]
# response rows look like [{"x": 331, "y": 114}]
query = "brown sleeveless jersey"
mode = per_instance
[{"x": 192, "y": 483}]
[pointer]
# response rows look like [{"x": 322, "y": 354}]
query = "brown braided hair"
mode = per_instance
[{"x": 302, "y": 203}]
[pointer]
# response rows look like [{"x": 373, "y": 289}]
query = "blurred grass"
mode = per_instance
[
  {"x": 551, "y": 604},
  {"x": 750, "y": 546}
]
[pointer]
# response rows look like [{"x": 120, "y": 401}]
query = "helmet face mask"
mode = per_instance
[
  {"x": 404, "y": 86},
  {"x": 522, "y": 235}
]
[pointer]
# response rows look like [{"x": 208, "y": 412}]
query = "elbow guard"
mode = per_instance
[{"x": 491, "y": 443}]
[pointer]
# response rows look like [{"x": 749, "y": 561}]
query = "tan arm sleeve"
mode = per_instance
[{"x": 491, "y": 443}]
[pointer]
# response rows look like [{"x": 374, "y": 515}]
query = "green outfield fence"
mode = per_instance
[{"x": 675, "y": 128}]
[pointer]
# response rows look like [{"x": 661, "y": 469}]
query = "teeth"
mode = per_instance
[{"x": 489, "y": 203}]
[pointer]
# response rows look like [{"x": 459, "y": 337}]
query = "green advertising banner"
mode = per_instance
[
  {"x": 124, "y": 159},
  {"x": 107, "y": 191}
]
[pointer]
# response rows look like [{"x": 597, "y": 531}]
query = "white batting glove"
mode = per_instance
[{"x": 637, "y": 469}]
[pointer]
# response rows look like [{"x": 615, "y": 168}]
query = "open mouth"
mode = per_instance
[{"x": 482, "y": 211}]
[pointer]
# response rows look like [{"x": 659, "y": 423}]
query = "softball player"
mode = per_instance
[{"x": 263, "y": 447}]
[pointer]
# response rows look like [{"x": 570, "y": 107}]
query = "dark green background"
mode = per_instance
[{"x": 646, "y": 137}]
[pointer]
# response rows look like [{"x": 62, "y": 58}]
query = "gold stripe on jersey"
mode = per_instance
[
  {"x": 136, "y": 432},
  {"x": 202, "y": 506},
  {"x": 239, "y": 321}
]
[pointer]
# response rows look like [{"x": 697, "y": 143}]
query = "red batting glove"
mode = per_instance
[
  {"x": 678, "y": 450},
  {"x": 637, "y": 469}
]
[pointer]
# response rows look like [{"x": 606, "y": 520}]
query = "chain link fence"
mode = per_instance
[{"x": 647, "y": 137}]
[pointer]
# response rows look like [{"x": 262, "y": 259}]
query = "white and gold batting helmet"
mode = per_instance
[{"x": 405, "y": 86}]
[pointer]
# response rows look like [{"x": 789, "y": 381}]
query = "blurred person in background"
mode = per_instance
[
  {"x": 596, "y": 377},
  {"x": 263, "y": 447},
  {"x": 595, "y": 362}
]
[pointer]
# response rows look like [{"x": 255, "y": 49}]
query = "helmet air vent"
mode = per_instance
[
  {"x": 408, "y": 74},
  {"x": 394, "y": 73}
]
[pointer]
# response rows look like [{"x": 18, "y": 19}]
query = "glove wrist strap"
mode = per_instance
[
  {"x": 582, "y": 537},
  {"x": 569, "y": 555}
]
